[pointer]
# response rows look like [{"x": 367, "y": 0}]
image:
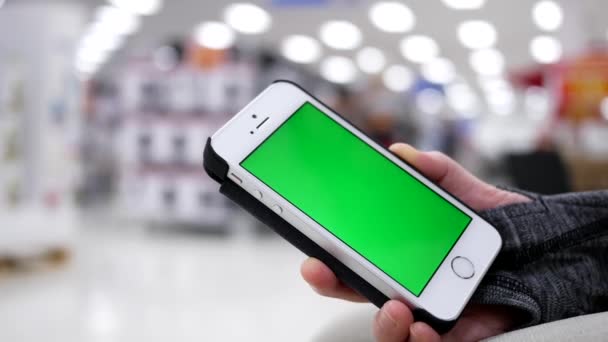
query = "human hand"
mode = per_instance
[{"x": 394, "y": 322}]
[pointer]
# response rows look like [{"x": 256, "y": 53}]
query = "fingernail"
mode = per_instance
[
  {"x": 387, "y": 315},
  {"x": 405, "y": 151},
  {"x": 415, "y": 330}
]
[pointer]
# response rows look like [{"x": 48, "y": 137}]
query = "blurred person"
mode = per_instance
[
  {"x": 347, "y": 105},
  {"x": 553, "y": 264},
  {"x": 542, "y": 170},
  {"x": 386, "y": 120}
]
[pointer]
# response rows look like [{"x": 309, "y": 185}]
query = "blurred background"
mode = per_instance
[{"x": 111, "y": 231}]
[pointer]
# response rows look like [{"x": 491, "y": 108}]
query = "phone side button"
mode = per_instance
[
  {"x": 235, "y": 178},
  {"x": 277, "y": 209},
  {"x": 257, "y": 194},
  {"x": 463, "y": 267}
]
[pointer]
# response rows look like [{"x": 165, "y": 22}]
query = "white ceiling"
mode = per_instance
[{"x": 584, "y": 22}]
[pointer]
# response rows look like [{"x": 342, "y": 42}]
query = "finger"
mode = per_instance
[
  {"x": 421, "y": 332},
  {"x": 452, "y": 177},
  {"x": 406, "y": 152},
  {"x": 457, "y": 180},
  {"x": 436, "y": 166},
  {"x": 392, "y": 323},
  {"x": 324, "y": 281},
  {"x": 479, "y": 322},
  {"x": 432, "y": 169}
]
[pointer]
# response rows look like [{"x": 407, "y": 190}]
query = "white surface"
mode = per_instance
[
  {"x": 124, "y": 285},
  {"x": 354, "y": 327},
  {"x": 582, "y": 328},
  {"x": 29, "y": 231},
  {"x": 445, "y": 294}
]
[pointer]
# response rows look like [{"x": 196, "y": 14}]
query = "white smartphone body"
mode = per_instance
[{"x": 377, "y": 215}]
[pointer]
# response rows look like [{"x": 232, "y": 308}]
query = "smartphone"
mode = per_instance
[{"x": 374, "y": 213}]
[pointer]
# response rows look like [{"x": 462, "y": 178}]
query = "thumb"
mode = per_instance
[
  {"x": 445, "y": 172},
  {"x": 392, "y": 322},
  {"x": 436, "y": 166},
  {"x": 431, "y": 164}
]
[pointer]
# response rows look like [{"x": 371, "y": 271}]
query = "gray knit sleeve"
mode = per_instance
[{"x": 554, "y": 261}]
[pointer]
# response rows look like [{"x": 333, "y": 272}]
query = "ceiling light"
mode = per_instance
[
  {"x": 301, "y": 49},
  {"x": 139, "y": 7},
  {"x": 494, "y": 84},
  {"x": 214, "y": 35},
  {"x": 439, "y": 70},
  {"x": 548, "y": 15},
  {"x": 419, "y": 49},
  {"x": 546, "y": 49},
  {"x": 499, "y": 94},
  {"x": 87, "y": 68},
  {"x": 398, "y": 78},
  {"x": 487, "y": 62},
  {"x": 340, "y": 35},
  {"x": 477, "y": 34},
  {"x": 464, "y": 4},
  {"x": 88, "y": 56},
  {"x": 102, "y": 41},
  {"x": 89, "y": 61},
  {"x": 430, "y": 101},
  {"x": 537, "y": 102},
  {"x": 393, "y": 17},
  {"x": 501, "y": 102},
  {"x": 502, "y": 110},
  {"x": 371, "y": 60},
  {"x": 116, "y": 20},
  {"x": 461, "y": 97},
  {"x": 247, "y": 18},
  {"x": 338, "y": 69}
]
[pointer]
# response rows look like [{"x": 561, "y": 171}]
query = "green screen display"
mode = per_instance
[{"x": 383, "y": 213}]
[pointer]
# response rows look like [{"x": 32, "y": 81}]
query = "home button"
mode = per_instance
[{"x": 463, "y": 267}]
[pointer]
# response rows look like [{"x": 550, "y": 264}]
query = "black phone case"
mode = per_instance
[{"x": 217, "y": 168}]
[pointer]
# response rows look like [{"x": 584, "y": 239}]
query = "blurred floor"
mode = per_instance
[{"x": 127, "y": 285}]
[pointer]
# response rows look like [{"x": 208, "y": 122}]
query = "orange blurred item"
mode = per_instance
[
  {"x": 588, "y": 174},
  {"x": 205, "y": 58},
  {"x": 584, "y": 84}
]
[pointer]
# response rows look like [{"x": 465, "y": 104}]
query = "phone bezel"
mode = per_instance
[{"x": 445, "y": 294}]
